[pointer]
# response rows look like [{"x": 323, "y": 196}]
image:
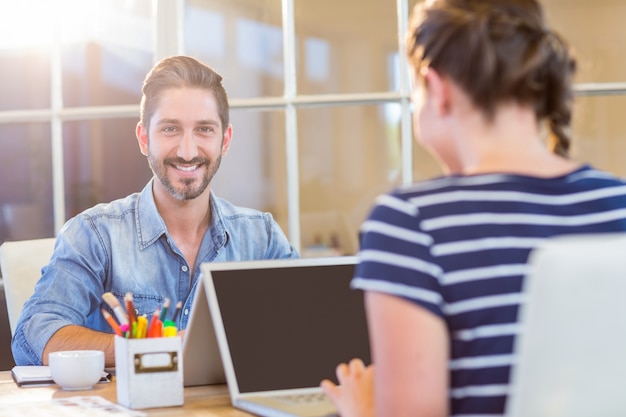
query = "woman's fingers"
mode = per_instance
[
  {"x": 353, "y": 369},
  {"x": 354, "y": 396},
  {"x": 331, "y": 390}
]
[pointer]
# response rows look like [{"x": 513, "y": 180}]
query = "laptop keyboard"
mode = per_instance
[{"x": 299, "y": 399}]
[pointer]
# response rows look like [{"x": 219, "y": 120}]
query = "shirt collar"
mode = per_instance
[{"x": 150, "y": 224}]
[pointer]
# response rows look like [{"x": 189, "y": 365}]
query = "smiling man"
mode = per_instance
[{"x": 151, "y": 243}]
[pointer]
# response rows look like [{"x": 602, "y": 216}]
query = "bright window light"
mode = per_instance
[{"x": 37, "y": 23}]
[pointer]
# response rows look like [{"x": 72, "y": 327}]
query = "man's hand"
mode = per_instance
[{"x": 354, "y": 396}]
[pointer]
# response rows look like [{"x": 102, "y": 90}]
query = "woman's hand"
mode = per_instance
[{"x": 354, "y": 396}]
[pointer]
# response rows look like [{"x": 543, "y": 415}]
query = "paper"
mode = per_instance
[
  {"x": 39, "y": 375},
  {"x": 93, "y": 406}
]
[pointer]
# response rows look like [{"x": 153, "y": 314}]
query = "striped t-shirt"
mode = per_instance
[{"x": 458, "y": 246}]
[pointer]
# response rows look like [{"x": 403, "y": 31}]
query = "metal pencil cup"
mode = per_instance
[{"x": 149, "y": 372}]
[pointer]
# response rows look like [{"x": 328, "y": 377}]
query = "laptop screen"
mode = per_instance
[{"x": 290, "y": 326}]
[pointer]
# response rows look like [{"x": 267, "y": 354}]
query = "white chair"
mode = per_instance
[
  {"x": 571, "y": 354},
  {"x": 21, "y": 264}
]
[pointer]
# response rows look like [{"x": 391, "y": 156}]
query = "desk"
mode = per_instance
[{"x": 205, "y": 401}]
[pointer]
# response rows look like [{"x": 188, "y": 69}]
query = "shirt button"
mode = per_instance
[
  {"x": 184, "y": 268},
  {"x": 186, "y": 311}
]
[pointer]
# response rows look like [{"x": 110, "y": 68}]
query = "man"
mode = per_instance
[{"x": 151, "y": 243}]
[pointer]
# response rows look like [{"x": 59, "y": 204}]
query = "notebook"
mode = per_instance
[
  {"x": 571, "y": 353},
  {"x": 282, "y": 327},
  {"x": 202, "y": 364},
  {"x": 34, "y": 376}
]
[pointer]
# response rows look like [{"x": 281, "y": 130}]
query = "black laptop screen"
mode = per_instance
[{"x": 289, "y": 327}]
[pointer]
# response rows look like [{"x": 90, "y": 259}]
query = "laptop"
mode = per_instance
[
  {"x": 571, "y": 353},
  {"x": 282, "y": 327},
  {"x": 202, "y": 363}
]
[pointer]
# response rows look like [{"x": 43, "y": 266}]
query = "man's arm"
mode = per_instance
[{"x": 75, "y": 337}]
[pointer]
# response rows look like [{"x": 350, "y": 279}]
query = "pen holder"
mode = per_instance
[{"x": 149, "y": 372}]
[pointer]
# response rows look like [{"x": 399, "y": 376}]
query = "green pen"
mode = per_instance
[
  {"x": 166, "y": 305},
  {"x": 169, "y": 328}
]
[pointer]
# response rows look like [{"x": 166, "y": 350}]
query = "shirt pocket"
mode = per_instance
[{"x": 144, "y": 304}]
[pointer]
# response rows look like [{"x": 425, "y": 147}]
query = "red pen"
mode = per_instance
[
  {"x": 153, "y": 323},
  {"x": 130, "y": 307}
]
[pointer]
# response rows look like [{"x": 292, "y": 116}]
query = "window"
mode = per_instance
[{"x": 319, "y": 104}]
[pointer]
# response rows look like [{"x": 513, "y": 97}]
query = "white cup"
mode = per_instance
[{"x": 76, "y": 369}]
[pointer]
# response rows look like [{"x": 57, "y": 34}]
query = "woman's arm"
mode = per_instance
[{"x": 410, "y": 347}]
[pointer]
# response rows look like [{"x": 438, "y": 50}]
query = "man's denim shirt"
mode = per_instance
[{"x": 124, "y": 247}]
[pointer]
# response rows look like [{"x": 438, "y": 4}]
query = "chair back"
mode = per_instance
[
  {"x": 21, "y": 263},
  {"x": 571, "y": 351}
]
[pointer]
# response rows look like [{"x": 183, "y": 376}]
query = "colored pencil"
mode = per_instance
[
  {"x": 117, "y": 308},
  {"x": 109, "y": 318},
  {"x": 166, "y": 305},
  {"x": 179, "y": 306},
  {"x": 152, "y": 327}
]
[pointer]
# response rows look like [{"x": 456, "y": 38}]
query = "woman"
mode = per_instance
[{"x": 442, "y": 261}]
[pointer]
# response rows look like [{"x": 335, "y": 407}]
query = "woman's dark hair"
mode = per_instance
[{"x": 498, "y": 51}]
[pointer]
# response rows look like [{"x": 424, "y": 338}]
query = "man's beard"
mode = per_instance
[{"x": 189, "y": 189}]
